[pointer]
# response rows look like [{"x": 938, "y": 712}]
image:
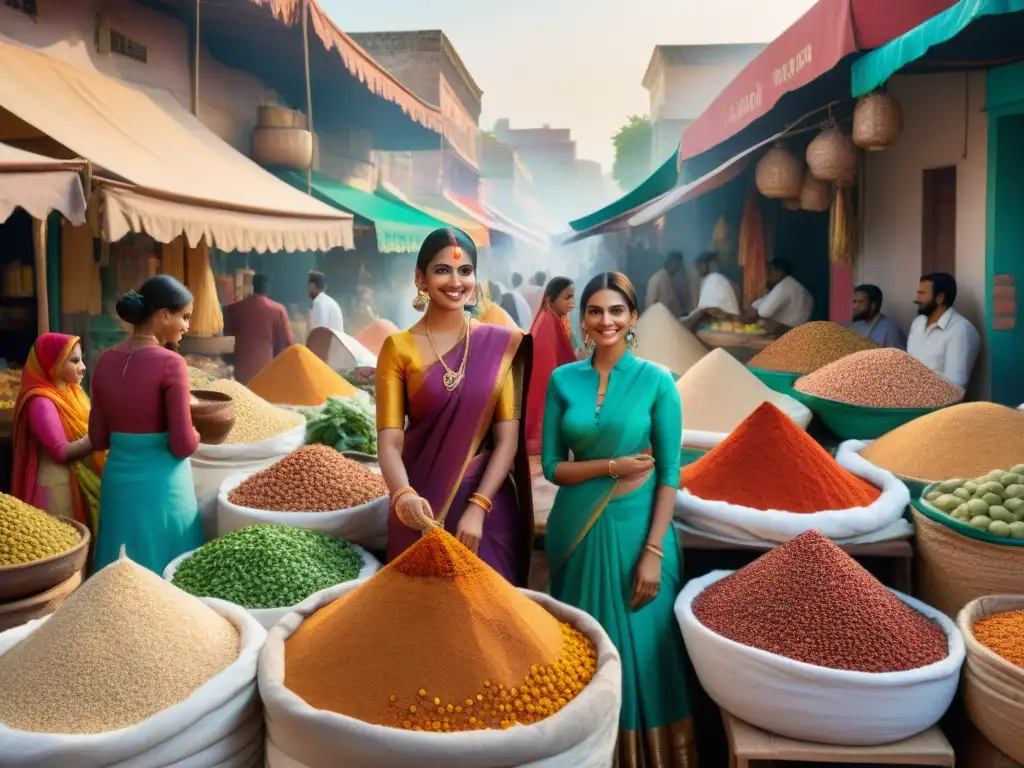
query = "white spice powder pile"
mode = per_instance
[{"x": 122, "y": 648}]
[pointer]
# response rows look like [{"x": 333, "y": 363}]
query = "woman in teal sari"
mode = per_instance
[
  {"x": 610, "y": 544},
  {"x": 141, "y": 412}
]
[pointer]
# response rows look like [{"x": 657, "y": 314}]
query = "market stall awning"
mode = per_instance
[
  {"x": 810, "y": 47},
  {"x": 438, "y": 207},
  {"x": 482, "y": 216},
  {"x": 658, "y": 183},
  {"x": 874, "y": 68},
  {"x": 145, "y": 137},
  {"x": 684, "y": 193},
  {"x": 39, "y": 184},
  {"x": 399, "y": 228},
  {"x": 541, "y": 239}
]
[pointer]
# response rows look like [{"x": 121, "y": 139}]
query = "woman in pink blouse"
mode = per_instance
[
  {"x": 141, "y": 412},
  {"x": 51, "y": 422}
]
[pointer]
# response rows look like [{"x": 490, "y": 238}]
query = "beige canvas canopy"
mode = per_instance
[{"x": 39, "y": 184}]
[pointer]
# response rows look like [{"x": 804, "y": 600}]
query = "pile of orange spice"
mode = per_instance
[
  {"x": 438, "y": 641},
  {"x": 1003, "y": 634},
  {"x": 768, "y": 462},
  {"x": 299, "y": 377}
]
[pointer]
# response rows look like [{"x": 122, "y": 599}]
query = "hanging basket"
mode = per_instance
[
  {"x": 285, "y": 147},
  {"x": 815, "y": 195},
  {"x": 276, "y": 116},
  {"x": 832, "y": 157},
  {"x": 877, "y": 122},
  {"x": 779, "y": 174}
]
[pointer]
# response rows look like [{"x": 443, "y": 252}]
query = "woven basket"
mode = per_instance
[
  {"x": 993, "y": 688},
  {"x": 816, "y": 195},
  {"x": 954, "y": 569},
  {"x": 275, "y": 116},
  {"x": 832, "y": 157},
  {"x": 877, "y": 122},
  {"x": 286, "y": 147},
  {"x": 779, "y": 174}
]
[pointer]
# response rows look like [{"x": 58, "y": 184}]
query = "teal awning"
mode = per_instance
[
  {"x": 400, "y": 228},
  {"x": 658, "y": 183},
  {"x": 873, "y": 69}
]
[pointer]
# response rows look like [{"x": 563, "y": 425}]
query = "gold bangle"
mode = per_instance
[
  {"x": 481, "y": 501},
  {"x": 655, "y": 550},
  {"x": 397, "y": 495},
  {"x": 611, "y": 470}
]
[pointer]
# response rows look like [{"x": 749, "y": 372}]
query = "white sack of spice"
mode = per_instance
[
  {"x": 308, "y": 478},
  {"x": 131, "y": 670}
]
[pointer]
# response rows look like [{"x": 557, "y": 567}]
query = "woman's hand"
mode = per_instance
[
  {"x": 471, "y": 527},
  {"x": 646, "y": 580},
  {"x": 628, "y": 466},
  {"x": 415, "y": 512}
]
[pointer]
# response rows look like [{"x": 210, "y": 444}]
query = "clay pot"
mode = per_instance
[
  {"x": 25, "y": 579},
  {"x": 213, "y": 415},
  {"x": 17, "y": 612}
]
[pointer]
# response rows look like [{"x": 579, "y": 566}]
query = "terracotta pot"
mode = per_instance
[
  {"x": 213, "y": 415},
  {"x": 20, "y": 581}
]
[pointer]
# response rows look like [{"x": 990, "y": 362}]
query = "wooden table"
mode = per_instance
[{"x": 748, "y": 744}]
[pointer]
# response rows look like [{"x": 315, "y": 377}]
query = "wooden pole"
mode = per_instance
[
  {"x": 39, "y": 253},
  {"x": 195, "y": 65},
  {"x": 309, "y": 91}
]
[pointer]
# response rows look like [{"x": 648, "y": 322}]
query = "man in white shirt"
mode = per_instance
[
  {"x": 667, "y": 286},
  {"x": 325, "y": 312},
  {"x": 716, "y": 290},
  {"x": 940, "y": 337},
  {"x": 534, "y": 293},
  {"x": 524, "y": 315},
  {"x": 787, "y": 305}
]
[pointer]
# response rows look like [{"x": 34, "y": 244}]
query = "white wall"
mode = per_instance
[{"x": 944, "y": 124}]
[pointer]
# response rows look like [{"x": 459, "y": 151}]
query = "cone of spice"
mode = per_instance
[
  {"x": 809, "y": 601},
  {"x": 489, "y": 658},
  {"x": 298, "y": 377},
  {"x": 768, "y": 462},
  {"x": 809, "y": 347},
  {"x": 315, "y": 478}
]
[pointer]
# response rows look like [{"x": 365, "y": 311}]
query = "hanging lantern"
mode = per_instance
[
  {"x": 832, "y": 157},
  {"x": 815, "y": 194},
  {"x": 779, "y": 173},
  {"x": 877, "y": 122}
]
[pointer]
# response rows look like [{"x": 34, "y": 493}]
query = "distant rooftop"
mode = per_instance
[{"x": 700, "y": 55}]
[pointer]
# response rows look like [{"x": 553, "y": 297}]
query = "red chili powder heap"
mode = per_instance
[
  {"x": 768, "y": 462},
  {"x": 810, "y": 601}
]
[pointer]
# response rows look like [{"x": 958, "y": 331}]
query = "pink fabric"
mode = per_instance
[
  {"x": 144, "y": 392},
  {"x": 262, "y": 332},
  {"x": 46, "y": 427}
]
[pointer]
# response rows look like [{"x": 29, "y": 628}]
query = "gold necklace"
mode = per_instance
[{"x": 451, "y": 379}]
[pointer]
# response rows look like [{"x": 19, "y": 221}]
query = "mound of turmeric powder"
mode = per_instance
[
  {"x": 438, "y": 641},
  {"x": 298, "y": 377}
]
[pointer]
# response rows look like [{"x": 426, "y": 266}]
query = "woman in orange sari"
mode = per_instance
[
  {"x": 552, "y": 347},
  {"x": 51, "y": 424}
]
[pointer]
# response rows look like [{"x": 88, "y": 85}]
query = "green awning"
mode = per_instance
[
  {"x": 658, "y": 183},
  {"x": 873, "y": 69},
  {"x": 400, "y": 228}
]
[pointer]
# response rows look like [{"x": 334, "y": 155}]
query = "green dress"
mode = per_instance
[{"x": 594, "y": 540}]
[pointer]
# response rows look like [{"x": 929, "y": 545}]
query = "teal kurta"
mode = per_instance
[{"x": 594, "y": 539}]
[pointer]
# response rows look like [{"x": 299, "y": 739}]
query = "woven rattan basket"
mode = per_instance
[
  {"x": 815, "y": 195},
  {"x": 953, "y": 569},
  {"x": 284, "y": 147},
  {"x": 832, "y": 157},
  {"x": 993, "y": 688},
  {"x": 877, "y": 122},
  {"x": 779, "y": 174},
  {"x": 275, "y": 116}
]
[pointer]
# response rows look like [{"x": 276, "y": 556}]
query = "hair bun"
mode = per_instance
[{"x": 131, "y": 308}]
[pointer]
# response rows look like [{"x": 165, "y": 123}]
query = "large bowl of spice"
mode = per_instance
[
  {"x": 993, "y": 687},
  {"x": 509, "y": 677},
  {"x": 841, "y": 658},
  {"x": 37, "y": 550}
]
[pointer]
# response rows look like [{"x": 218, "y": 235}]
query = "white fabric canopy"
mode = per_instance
[{"x": 39, "y": 185}]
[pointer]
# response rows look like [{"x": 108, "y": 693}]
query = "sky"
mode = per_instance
[{"x": 569, "y": 63}]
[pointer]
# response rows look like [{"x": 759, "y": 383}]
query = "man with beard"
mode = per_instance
[
  {"x": 940, "y": 337},
  {"x": 787, "y": 305},
  {"x": 869, "y": 321}
]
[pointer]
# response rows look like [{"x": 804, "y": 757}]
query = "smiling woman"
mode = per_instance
[
  {"x": 449, "y": 402},
  {"x": 612, "y": 550}
]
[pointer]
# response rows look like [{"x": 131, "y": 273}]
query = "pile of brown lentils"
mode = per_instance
[
  {"x": 810, "y": 601},
  {"x": 315, "y": 478},
  {"x": 809, "y": 347}
]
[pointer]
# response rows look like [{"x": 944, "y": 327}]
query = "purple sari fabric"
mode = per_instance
[{"x": 443, "y": 455}]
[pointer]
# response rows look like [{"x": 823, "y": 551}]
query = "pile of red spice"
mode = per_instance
[
  {"x": 768, "y": 462},
  {"x": 810, "y": 601}
]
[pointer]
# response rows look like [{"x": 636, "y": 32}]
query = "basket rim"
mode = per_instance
[
  {"x": 923, "y": 410},
  {"x": 925, "y": 509},
  {"x": 976, "y": 646},
  {"x": 84, "y": 537}
]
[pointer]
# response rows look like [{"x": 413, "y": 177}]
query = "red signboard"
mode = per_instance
[{"x": 810, "y": 47}]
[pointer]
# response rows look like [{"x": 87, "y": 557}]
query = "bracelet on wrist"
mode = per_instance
[
  {"x": 611, "y": 470},
  {"x": 397, "y": 495},
  {"x": 481, "y": 501},
  {"x": 655, "y": 550}
]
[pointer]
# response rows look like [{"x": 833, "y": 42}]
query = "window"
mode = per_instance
[
  {"x": 938, "y": 220},
  {"x": 25, "y": 6},
  {"x": 127, "y": 47}
]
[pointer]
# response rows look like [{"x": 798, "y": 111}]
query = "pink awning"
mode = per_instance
[{"x": 810, "y": 47}]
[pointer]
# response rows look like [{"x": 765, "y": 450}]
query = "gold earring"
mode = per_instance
[{"x": 420, "y": 302}]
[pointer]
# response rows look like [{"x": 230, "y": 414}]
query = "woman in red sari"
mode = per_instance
[
  {"x": 51, "y": 425},
  {"x": 449, "y": 400},
  {"x": 552, "y": 347}
]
